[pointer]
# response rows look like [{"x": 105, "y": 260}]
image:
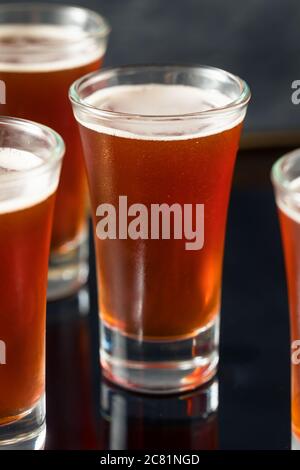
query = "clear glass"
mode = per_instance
[
  {"x": 159, "y": 298},
  {"x": 43, "y": 49},
  {"x": 27, "y": 194},
  {"x": 286, "y": 181}
]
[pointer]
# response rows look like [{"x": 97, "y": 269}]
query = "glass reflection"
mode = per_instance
[{"x": 133, "y": 421}]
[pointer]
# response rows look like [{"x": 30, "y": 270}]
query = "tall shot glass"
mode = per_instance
[
  {"x": 160, "y": 144},
  {"x": 30, "y": 163}
]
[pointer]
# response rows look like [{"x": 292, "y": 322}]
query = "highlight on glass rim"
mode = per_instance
[{"x": 149, "y": 229}]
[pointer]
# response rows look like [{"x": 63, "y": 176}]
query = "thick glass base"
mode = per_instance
[
  {"x": 27, "y": 432},
  {"x": 68, "y": 270},
  {"x": 156, "y": 366}
]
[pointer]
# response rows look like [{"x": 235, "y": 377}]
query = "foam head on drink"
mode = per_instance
[
  {"x": 26, "y": 209},
  {"x": 156, "y": 287},
  {"x": 45, "y": 48},
  {"x": 38, "y": 63}
]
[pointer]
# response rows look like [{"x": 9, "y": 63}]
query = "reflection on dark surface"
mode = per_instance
[
  {"x": 84, "y": 412},
  {"x": 133, "y": 421}
]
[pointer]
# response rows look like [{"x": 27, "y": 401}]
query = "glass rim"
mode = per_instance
[
  {"x": 57, "y": 151},
  {"x": 278, "y": 171},
  {"x": 102, "y": 31},
  {"x": 108, "y": 72}
]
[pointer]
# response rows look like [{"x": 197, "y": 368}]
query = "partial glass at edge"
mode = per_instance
[
  {"x": 43, "y": 49},
  {"x": 159, "y": 304},
  {"x": 286, "y": 181},
  {"x": 27, "y": 194}
]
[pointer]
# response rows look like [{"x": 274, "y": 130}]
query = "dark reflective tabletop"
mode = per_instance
[
  {"x": 84, "y": 412},
  {"x": 248, "y": 407}
]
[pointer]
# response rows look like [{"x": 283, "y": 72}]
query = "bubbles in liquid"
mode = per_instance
[{"x": 161, "y": 100}]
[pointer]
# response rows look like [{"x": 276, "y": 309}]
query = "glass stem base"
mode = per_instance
[
  {"x": 27, "y": 432},
  {"x": 69, "y": 270},
  {"x": 157, "y": 366}
]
